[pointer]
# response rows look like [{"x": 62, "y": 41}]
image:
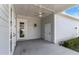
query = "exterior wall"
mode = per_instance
[
  {"x": 45, "y": 20},
  {"x": 65, "y": 28},
  {"x": 31, "y": 32},
  {"x": 4, "y": 29}
]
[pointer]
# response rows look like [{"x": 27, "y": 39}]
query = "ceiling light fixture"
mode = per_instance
[
  {"x": 40, "y": 15},
  {"x": 40, "y": 11}
]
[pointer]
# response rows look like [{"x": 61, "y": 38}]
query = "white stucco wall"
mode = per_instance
[
  {"x": 65, "y": 28},
  {"x": 31, "y": 32}
]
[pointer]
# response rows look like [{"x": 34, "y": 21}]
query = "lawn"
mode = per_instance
[{"x": 72, "y": 44}]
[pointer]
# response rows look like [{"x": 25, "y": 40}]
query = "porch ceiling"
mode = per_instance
[{"x": 33, "y": 9}]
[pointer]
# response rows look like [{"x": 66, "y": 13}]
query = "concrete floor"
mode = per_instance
[{"x": 41, "y": 47}]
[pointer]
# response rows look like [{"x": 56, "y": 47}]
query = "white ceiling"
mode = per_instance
[{"x": 33, "y": 9}]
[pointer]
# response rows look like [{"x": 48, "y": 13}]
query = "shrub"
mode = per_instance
[{"x": 72, "y": 43}]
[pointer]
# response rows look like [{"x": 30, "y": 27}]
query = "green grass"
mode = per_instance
[
  {"x": 72, "y": 44},
  {"x": 75, "y": 49}
]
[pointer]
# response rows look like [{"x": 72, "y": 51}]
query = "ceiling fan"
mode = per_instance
[{"x": 40, "y": 13}]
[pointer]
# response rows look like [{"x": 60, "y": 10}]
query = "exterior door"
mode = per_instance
[
  {"x": 21, "y": 28},
  {"x": 48, "y": 32}
]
